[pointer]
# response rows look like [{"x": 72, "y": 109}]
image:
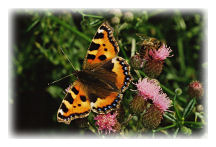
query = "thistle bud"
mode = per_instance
[
  {"x": 117, "y": 127},
  {"x": 120, "y": 114},
  {"x": 115, "y": 20},
  {"x": 152, "y": 118},
  {"x": 137, "y": 62},
  {"x": 178, "y": 91},
  {"x": 199, "y": 108},
  {"x": 138, "y": 104},
  {"x": 195, "y": 89},
  {"x": 153, "y": 68},
  {"x": 116, "y": 12},
  {"x": 128, "y": 16}
]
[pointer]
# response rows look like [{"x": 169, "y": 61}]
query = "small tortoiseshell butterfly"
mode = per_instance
[{"x": 99, "y": 86}]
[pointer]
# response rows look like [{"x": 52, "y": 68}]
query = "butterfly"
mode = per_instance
[{"x": 100, "y": 83}]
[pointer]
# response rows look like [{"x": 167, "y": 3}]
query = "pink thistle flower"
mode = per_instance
[
  {"x": 162, "y": 102},
  {"x": 161, "y": 54},
  {"x": 150, "y": 89},
  {"x": 106, "y": 122}
]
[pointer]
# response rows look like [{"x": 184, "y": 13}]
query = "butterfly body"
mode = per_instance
[{"x": 99, "y": 86}]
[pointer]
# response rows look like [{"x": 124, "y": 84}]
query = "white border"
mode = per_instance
[{"x": 108, "y": 4}]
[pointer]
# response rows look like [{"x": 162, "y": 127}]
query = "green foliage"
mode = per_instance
[{"x": 37, "y": 59}]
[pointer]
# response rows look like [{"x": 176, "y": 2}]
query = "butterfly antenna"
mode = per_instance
[
  {"x": 68, "y": 59},
  {"x": 60, "y": 79}
]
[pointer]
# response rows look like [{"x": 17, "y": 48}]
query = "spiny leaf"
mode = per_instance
[{"x": 189, "y": 108}]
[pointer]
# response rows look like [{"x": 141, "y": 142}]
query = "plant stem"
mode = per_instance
[
  {"x": 193, "y": 123},
  {"x": 133, "y": 47},
  {"x": 175, "y": 108},
  {"x": 181, "y": 54},
  {"x": 142, "y": 73},
  {"x": 89, "y": 15},
  {"x": 138, "y": 74},
  {"x": 124, "y": 53}
]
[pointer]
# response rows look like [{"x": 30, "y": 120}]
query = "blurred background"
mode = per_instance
[{"x": 36, "y": 58}]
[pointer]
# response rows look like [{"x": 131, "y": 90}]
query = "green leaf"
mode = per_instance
[
  {"x": 92, "y": 121},
  {"x": 176, "y": 132},
  {"x": 192, "y": 124},
  {"x": 32, "y": 25},
  {"x": 169, "y": 116},
  {"x": 179, "y": 117},
  {"x": 164, "y": 128},
  {"x": 189, "y": 108}
]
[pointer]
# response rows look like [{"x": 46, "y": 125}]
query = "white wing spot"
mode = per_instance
[
  {"x": 92, "y": 104},
  {"x": 61, "y": 112},
  {"x": 100, "y": 31}
]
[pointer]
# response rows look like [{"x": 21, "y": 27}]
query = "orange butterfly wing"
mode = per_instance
[
  {"x": 75, "y": 105},
  {"x": 123, "y": 79},
  {"x": 102, "y": 48}
]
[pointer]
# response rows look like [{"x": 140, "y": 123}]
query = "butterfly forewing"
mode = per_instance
[
  {"x": 76, "y": 104},
  {"x": 102, "y": 48}
]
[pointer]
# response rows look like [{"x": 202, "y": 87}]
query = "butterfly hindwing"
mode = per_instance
[
  {"x": 102, "y": 48},
  {"x": 121, "y": 69},
  {"x": 107, "y": 104},
  {"x": 75, "y": 105}
]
